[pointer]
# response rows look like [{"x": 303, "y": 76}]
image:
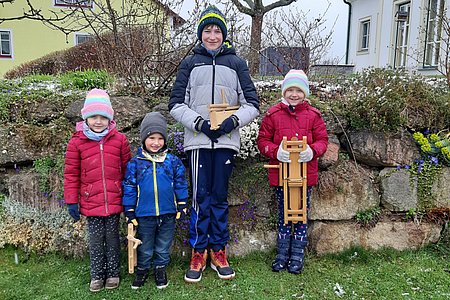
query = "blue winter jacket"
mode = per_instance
[{"x": 154, "y": 188}]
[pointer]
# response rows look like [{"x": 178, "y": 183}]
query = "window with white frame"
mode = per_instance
[
  {"x": 364, "y": 35},
  {"x": 5, "y": 44},
  {"x": 71, "y": 3},
  {"x": 81, "y": 38},
  {"x": 435, "y": 10},
  {"x": 401, "y": 34}
]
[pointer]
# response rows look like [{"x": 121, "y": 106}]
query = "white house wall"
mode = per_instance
[
  {"x": 363, "y": 9},
  {"x": 382, "y": 33}
]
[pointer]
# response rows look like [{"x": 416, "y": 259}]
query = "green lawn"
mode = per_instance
[{"x": 387, "y": 274}]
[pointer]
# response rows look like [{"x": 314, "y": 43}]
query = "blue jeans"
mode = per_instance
[{"x": 156, "y": 234}]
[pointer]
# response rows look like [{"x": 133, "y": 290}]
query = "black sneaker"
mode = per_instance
[
  {"x": 161, "y": 277},
  {"x": 139, "y": 280}
]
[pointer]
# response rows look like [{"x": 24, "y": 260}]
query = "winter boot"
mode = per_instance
[
  {"x": 281, "y": 260},
  {"x": 297, "y": 257},
  {"x": 196, "y": 266},
  {"x": 219, "y": 263}
]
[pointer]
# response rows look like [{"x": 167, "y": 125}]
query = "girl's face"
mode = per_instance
[
  {"x": 212, "y": 37},
  {"x": 154, "y": 142},
  {"x": 294, "y": 95},
  {"x": 97, "y": 123}
]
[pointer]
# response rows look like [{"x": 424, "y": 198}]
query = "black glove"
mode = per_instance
[
  {"x": 130, "y": 216},
  {"x": 206, "y": 129},
  {"x": 74, "y": 211},
  {"x": 229, "y": 124},
  {"x": 182, "y": 207}
]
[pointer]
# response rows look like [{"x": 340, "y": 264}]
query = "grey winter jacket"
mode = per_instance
[{"x": 200, "y": 81}]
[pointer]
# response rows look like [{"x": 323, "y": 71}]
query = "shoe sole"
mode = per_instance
[
  {"x": 194, "y": 280},
  {"x": 224, "y": 277},
  {"x": 135, "y": 287},
  {"x": 95, "y": 290},
  {"x": 162, "y": 286},
  {"x": 111, "y": 287}
]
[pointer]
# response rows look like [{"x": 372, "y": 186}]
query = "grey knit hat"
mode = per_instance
[{"x": 153, "y": 122}]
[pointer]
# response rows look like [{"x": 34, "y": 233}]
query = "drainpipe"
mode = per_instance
[{"x": 348, "y": 29}]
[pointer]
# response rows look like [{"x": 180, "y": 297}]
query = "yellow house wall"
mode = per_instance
[{"x": 32, "y": 39}]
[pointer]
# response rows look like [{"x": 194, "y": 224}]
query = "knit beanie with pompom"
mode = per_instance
[
  {"x": 298, "y": 79},
  {"x": 97, "y": 103}
]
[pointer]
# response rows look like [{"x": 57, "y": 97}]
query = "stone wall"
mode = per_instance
[{"x": 358, "y": 172}]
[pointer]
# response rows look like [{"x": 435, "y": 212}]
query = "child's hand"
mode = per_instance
[
  {"x": 131, "y": 216},
  {"x": 306, "y": 155},
  {"x": 182, "y": 209},
  {"x": 74, "y": 211},
  {"x": 212, "y": 134},
  {"x": 229, "y": 124},
  {"x": 283, "y": 155}
]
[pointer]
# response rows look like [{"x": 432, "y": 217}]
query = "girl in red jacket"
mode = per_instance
[
  {"x": 293, "y": 116},
  {"x": 96, "y": 159}
]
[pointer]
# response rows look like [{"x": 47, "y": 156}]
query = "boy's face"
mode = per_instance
[
  {"x": 154, "y": 142},
  {"x": 97, "y": 123},
  {"x": 294, "y": 95},
  {"x": 212, "y": 37}
]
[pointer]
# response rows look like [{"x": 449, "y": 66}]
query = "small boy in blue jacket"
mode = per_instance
[{"x": 154, "y": 190}]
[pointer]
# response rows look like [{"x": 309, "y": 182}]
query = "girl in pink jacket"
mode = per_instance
[
  {"x": 292, "y": 117},
  {"x": 95, "y": 165}
]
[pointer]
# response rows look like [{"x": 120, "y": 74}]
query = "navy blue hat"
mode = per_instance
[{"x": 212, "y": 15}]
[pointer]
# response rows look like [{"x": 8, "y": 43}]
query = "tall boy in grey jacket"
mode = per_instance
[{"x": 213, "y": 69}]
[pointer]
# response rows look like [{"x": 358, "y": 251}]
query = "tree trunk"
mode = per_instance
[{"x": 255, "y": 43}]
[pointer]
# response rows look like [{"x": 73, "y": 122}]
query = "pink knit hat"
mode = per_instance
[{"x": 97, "y": 103}]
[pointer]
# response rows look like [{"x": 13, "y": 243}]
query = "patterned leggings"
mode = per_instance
[
  {"x": 104, "y": 246},
  {"x": 285, "y": 230}
]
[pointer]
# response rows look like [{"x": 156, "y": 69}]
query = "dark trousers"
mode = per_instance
[
  {"x": 156, "y": 234},
  {"x": 298, "y": 230},
  {"x": 210, "y": 172},
  {"x": 104, "y": 246}
]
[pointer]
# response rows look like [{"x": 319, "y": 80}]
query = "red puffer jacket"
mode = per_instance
[
  {"x": 94, "y": 171},
  {"x": 304, "y": 120}
]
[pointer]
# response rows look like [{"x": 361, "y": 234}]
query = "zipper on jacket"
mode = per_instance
[
  {"x": 213, "y": 79},
  {"x": 138, "y": 197},
  {"x": 103, "y": 177},
  {"x": 212, "y": 87},
  {"x": 155, "y": 187}
]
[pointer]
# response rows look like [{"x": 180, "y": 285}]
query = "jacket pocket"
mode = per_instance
[
  {"x": 86, "y": 192},
  {"x": 118, "y": 185}
]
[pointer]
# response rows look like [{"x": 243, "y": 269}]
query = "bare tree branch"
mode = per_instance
[
  {"x": 296, "y": 29},
  {"x": 256, "y": 10}
]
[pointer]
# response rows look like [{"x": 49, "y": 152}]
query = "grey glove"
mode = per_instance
[{"x": 283, "y": 155}]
